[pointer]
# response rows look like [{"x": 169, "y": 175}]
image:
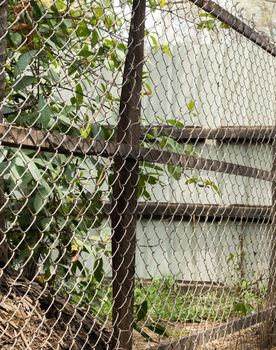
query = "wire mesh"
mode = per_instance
[{"x": 137, "y": 168}]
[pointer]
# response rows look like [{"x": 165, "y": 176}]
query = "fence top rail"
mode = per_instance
[
  {"x": 237, "y": 24},
  {"x": 57, "y": 143}
]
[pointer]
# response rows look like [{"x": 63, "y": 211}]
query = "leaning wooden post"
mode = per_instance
[
  {"x": 4, "y": 256},
  {"x": 124, "y": 207},
  {"x": 268, "y": 338}
]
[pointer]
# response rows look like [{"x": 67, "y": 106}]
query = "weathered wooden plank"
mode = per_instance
[
  {"x": 29, "y": 138},
  {"x": 191, "y": 342},
  {"x": 184, "y": 211},
  {"x": 235, "y": 23},
  {"x": 165, "y": 157},
  {"x": 124, "y": 194},
  {"x": 4, "y": 250},
  {"x": 269, "y": 328},
  {"x": 238, "y": 134}
]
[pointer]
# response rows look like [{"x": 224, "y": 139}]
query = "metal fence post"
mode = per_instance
[
  {"x": 124, "y": 191},
  {"x": 3, "y": 27}
]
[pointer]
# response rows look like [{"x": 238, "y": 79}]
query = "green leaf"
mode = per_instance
[
  {"x": 189, "y": 151},
  {"x": 83, "y": 31},
  {"x": 152, "y": 180},
  {"x": 4, "y": 168},
  {"x": 40, "y": 199},
  {"x": 107, "y": 3},
  {"x": 3, "y": 154},
  {"x": 94, "y": 37},
  {"x": 191, "y": 105},
  {"x": 45, "y": 224},
  {"x": 23, "y": 62},
  {"x": 209, "y": 24},
  {"x": 165, "y": 48},
  {"x": 175, "y": 171},
  {"x": 24, "y": 82},
  {"x": 148, "y": 91},
  {"x": 98, "y": 270},
  {"x": 153, "y": 4},
  {"x": 154, "y": 42},
  {"x": 176, "y": 123},
  {"x": 243, "y": 308},
  {"x": 157, "y": 328},
  {"x": 45, "y": 111},
  {"x": 192, "y": 180},
  {"x": 61, "y": 5},
  {"x": 230, "y": 258},
  {"x": 84, "y": 52},
  {"x": 79, "y": 94},
  {"x": 148, "y": 136},
  {"x": 224, "y": 25},
  {"x": 206, "y": 14},
  {"x": 85, "y": 132},
  {"x": 8, "y": 110},
  {"x": 152, "y": 166},
  {"x": 211, "y": 184},
  {"x": 16, "y": 173},
  {"x": 98, "y": 11},
  {"x": 141, "y": 311},
  {"x": 53, "y": 75}
]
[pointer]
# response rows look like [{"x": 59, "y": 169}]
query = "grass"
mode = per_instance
[{"x": 164, "y": 300}]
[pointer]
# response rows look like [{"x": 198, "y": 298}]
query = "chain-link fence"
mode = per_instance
[{"x": 137, "y": 176}]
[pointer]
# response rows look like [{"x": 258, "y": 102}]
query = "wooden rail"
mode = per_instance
[
  {"x": 235, "y": 23},
  {"x": 238, "y": 134},
  {"x": 204, "y": 337},
  {"x": 183, "y": 211},
  {"x": 44, "y": 141}
]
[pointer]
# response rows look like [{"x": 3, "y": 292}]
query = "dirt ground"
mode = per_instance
[
  {"x": 23, "y": 326},
  {"x": 248, "y": 339}
]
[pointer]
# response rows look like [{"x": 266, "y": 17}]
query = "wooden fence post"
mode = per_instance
[
  {"x": 4, "y": 253},
  {"x": 124, "y": 206},
  {"x": 268, "y": 336}
]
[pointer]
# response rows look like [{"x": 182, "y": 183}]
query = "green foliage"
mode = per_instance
[
  {"x": 210, "y": 22},
  {"x": 55, "y": 200},
  {"x": 204, "y": 183},
  {"x": 167, "y": 301}
]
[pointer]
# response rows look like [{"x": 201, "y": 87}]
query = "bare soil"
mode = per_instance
[{"x": 248, "y": 339}]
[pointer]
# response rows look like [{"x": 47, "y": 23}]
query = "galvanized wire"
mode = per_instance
[{"x": 137, "y": 176}]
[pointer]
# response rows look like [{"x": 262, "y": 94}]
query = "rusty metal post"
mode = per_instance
[
  {"x": 4, "y": 256},
  {"x": 123, "y": 214}
]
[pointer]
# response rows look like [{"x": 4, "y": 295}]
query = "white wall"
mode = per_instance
[{"x": 232, "y": 82}]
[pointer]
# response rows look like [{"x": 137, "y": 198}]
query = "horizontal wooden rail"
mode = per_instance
[
  {"x": 204, "y": 337},
  {"x": 157, "y": 210},
  {"x": 235, "y": 23},
  {"x": 44, "y": 141},
  {"x": 238, "y": 134},
  {"x": 165, "y": 157}
]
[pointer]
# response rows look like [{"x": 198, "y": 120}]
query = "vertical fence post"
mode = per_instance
[
  {"x": 123, "y": 214},
  {"x": 268, "y": 338},
  {"x": 272, "y": 271},
  {"x": 3, "y": 28}
]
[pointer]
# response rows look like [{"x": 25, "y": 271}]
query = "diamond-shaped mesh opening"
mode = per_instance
[{"x": 137, "y": 175}]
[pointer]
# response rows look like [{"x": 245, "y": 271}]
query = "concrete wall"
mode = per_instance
[{"x": 232, "y": 82}]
